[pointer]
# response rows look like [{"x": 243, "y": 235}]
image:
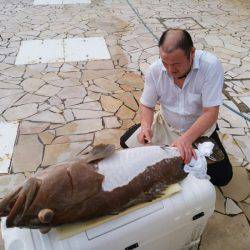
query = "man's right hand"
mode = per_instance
[{"x": 145, "y": 136}]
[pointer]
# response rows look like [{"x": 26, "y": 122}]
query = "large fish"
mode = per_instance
[{"x": 103, "y": 182}]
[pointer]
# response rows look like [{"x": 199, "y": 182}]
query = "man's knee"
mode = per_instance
[{"x": 221, "y": 173}]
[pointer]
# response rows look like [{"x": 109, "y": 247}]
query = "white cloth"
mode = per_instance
[
  {"x": 198, "y": 167},
  {"x": 182, "y": 106},
  {"x": 163, "y": 133}
]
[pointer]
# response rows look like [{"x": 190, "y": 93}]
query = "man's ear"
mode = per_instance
[{"x": 192, "y": 52}]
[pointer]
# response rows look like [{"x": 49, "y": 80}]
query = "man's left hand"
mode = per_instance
[{"x": 185, "y": 148}]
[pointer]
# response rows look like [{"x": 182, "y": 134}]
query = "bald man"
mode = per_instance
[{"x": 188, "y": 85}]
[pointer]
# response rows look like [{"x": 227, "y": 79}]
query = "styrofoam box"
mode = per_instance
[{"x": 174, "y": 223}]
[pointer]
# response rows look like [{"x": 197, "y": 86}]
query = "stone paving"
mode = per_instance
[{"x": 66, "y": 108}]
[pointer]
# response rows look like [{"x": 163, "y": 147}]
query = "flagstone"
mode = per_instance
[
  {"x": 30, "y": 98},
  {"x": 247, "y": 166},
  {"x": 87, "y": 114},
  {"x": 109, "y": 136},
  {"x": 111, "y": 122},
  {"x": 68, "y": 67},
  {"x": 236, "y": 235},
  {"x": 100, "y": 64},
  {"x": 235, "y": 161},
  {"x": 56, "y": 153},
  {"x": 127, "y": 123},
  {"x": 97, "y": 89},
  {"x": 9, "y": 85},
  {"x": 107, "y": 84},
  {"x": 235, "y": 48},
  {"x": 47, "y": 116},
  {"x": 232, "y": 131},
  {"x": 214, "y": 41},
  {"x": 56, "y": 110},
  {"x": 9, "y": 92},
  {"x": 8, "y": 101},
  {"x": 132, "y": 79},
  {"x": 245, "y": 208},
  {"x": 88, "y": 105},
  {"x": 20, "y": 112},
  {"x": 48, "y": 90},
  {"x": 110, "y": 104},
  {"x": 43, "y": 106},
  {"x": 231, "y": 146},
  {"x": 32, "y": 84},
  {"x": 80, "y": 127},
  {"x": 232, "y": 207},
  {"x": 128, "y": 100},
  {"x": 92, "y": 97},
  {"x": 238, "y": 188},
  {"x": 247, "y": 200},
  {"x": 68, "y": 115},
  {"x": 220, "y": 201},
  {"x": 70, "y": 76},
  {"x": 126, "y": 87},
  {"x": 4, "y": 66},
  {"x": 74, "y": 138},
  {"x": 137, "y": 118},
  {"x": 27, "y": 154},
  {"x": 90, "y": 74},
  {"x": 14, "y": 71},
  {"x": 72, "y": 92},
  {"x": 125, "y": 113},
  {"x": 72, "y": 101},
  {"x": 10, "y": 182},
  {"x": 222, "y": 124},
  {"x": 47, "y": 136},
  {"x": 27, "y": 127},
  {"x": 246, "y": 100},
  {"x": 55, "y": 100},
  {"x": 244, "y": 143}
]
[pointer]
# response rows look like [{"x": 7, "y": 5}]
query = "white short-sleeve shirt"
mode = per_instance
[{"x": 182, "y": 106}]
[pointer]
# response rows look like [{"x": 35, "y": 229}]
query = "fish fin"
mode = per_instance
[
  {"x": 99, "y": 152},
  {"x": 217, "y": 154},
  {"x": 5, "y": 204},
  {"x": 153, "y": 193},
  {"x": 30, "y": 186}
]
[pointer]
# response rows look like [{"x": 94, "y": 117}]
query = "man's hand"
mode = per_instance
[
  {"x": 185, "y": 148},
  {"x": 145, "y": 135}
]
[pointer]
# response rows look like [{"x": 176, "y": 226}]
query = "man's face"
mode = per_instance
[{"x": 176, "y": 62}]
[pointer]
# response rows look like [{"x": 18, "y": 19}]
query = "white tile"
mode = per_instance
[
  {"x": 75, "y": 1},
  {"x": 43, "y": 2},
  {"x": 8, "y": 132},
  {"x": 83, "y": 49},
  {"x": 62, "y": 50},
  {"x": 40, "y": 51}
]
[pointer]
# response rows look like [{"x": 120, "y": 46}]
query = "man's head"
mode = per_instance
[{"x": 177, "y": 52}]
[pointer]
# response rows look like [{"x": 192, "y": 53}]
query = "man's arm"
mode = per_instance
[
  {"x": 146, "y": 114},
  {"x": 201, "y": 125}
]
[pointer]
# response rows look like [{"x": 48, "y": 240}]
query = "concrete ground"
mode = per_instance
[{"x": 66, "y": 108}]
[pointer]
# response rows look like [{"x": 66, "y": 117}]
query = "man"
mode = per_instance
[{"x": 188, "y": 85}]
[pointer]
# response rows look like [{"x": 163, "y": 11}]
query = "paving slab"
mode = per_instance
[{"x": 8, "y": 134}]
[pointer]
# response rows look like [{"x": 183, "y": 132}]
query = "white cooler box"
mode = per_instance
[{"x": 174, "y": 223}]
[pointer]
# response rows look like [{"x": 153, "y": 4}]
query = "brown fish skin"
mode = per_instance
[
  {"x": 147, "y": 186},
  {"x": 73, "y": 192}
]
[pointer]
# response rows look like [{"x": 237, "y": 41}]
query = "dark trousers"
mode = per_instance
[{"x": 220, "y": 172}]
